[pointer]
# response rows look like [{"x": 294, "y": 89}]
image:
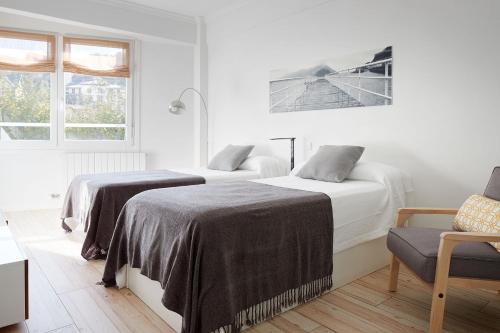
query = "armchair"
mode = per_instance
[{"x": 441, "y": 258}]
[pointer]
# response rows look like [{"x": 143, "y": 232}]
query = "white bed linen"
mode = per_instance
[
  {"x": 211, "y": 176},
  {"x": 266, "y": 166},
  {"x": 217, "y": 176},
  {"x": 253, "y": 167},
  {"x": 362, "y": 210}
]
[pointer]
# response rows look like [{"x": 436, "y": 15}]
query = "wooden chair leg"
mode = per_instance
[
  {"x": 393, "y": 279},
  {"x": 437, "y": 310},
  {"x": 440, "y": 285}
]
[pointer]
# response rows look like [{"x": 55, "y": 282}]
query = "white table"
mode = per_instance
[{"x": 13, "y": 279}]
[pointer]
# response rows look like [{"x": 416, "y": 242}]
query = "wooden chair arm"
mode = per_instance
[
  {"x": 463, "y": 236},
  {"x": 405, "y": 213},
  {"x": 450, "y": 239},
  {"x": 431, "y": 211}
]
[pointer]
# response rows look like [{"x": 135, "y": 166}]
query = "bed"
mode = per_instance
[
  {"x": 95, "y": 201},
  {"x": 361, "y": 208}
]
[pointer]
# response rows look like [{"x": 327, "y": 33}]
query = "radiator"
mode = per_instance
[{"x": 91, "y": 163}]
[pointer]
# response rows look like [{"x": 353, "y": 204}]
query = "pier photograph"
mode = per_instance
[{"x": 362, "y": 79}]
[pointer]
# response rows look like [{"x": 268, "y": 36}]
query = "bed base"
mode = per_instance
[{"x": 348, "y": 265}]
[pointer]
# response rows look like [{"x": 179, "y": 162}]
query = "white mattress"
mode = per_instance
[
  {"x": 362, "y": 210},
  {"x": 217, "y": 176}
]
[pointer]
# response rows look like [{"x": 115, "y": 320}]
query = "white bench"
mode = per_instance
[{"x": 13, "y": 277}]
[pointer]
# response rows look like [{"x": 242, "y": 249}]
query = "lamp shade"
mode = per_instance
[{"x": 177, "y": 107}]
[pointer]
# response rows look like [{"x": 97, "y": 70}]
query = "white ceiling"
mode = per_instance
[{"x": 187, "y": 7}]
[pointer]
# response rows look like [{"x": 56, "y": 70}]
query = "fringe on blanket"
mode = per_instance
[{"x": 269, "y": 308}]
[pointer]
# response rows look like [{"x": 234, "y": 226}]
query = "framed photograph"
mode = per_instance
[{"x": 362, "y": 79}]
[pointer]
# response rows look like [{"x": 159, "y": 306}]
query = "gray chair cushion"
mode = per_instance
[
  {"x": 418, "y": 248},
  {"x": 493, "y": 188},
  {"x": 230, "y": 158},
  {"x": 331, "y": 163}
]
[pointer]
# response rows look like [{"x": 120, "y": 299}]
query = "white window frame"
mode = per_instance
[
  {"x": 57, "y": 110},
  {"x": 40, "y": 144}
]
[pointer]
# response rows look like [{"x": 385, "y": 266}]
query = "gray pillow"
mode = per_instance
[
  {"x": 331, "y": 163},
  {"x": 230, "y": 158}
]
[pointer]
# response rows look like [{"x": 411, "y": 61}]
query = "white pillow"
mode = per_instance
[
  {"x": 297, "y": 168},
  {"x": 378, "y": 172},
  {"x": 266, "y": 166},
  {"x": 369, "y": 171}
]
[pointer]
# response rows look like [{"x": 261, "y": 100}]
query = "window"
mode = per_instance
[
  {"x": 95, "y": 80},
  {"x": 27, "y": 64},
  {"x": 92, "y": 81}
]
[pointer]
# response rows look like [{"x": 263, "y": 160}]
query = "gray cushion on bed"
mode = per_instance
[
  {"x": 331, "y": 163},
  {"x": 418, "y": 249},
  {"x": 230, "y": 158}
]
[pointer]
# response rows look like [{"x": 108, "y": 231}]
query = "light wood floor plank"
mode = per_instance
[
  {"x": 420, "y": 316},
  {"x": 65, "y": 299},
  {"x": 492, "y": 309},
  {"x": 376, "y": 317},
  {"x": 469, "y": 297},
  {"x": 460, "y": 303},
  {"x": 148, "y": 314},
  {"x": 335, "y": 319},
  {"x": 17, "y": 328},
  {"x": 363, "y": 293},
  {"x": 87, "y": 314},
  {"x": 67, "y": 329},
  {"x": 61, "y": 262},
  {"x": 304, "y": 323},
  {"x": 47, "y": 312},
  {"x": 118, "y": 307},
  {"x": 322, "y": 329},
  {"x": 267, "y": 327},
  {"x": 286, "y": 326}
]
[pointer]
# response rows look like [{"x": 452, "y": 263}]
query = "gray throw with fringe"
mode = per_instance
[
  {"x": 97, "y": 200},
  {"x": 227, "y": 255}
]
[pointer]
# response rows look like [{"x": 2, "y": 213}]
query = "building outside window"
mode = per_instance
[{"x": 96, "y": 101}]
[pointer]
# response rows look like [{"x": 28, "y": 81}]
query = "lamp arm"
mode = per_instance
[
  {"x": 199, "y": 94},
  {"x": 292, "y": 150},
  {"x": 206, "y": 110}
]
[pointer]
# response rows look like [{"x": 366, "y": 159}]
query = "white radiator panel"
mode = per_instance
[{"x": 92, "y": 163}]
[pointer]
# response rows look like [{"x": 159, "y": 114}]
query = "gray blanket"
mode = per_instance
[
  {"x": 97, "y": 200},
  {"x": 227, "y": 254}
]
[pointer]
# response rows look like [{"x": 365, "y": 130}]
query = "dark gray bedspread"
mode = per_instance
[
  {"x": 227, "y": 254},
  {"x": 97, "y": 200}
]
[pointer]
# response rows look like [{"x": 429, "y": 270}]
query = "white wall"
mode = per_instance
[
  {"x": 444, "y": 126},
  {"x": 166, "y": 138},
  {"x": 112, "y": 15},
  {"x": 28, "y": 177}
]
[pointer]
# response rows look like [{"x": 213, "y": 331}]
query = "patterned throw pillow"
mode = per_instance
[{"x": 479, "y": 214}]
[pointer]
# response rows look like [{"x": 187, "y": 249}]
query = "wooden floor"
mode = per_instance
[{"x": 64, "y": 296}]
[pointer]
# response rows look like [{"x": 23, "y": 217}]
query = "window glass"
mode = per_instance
[
  {"x": 95, "y": 108},
  {"x": 24, "y": 106}
]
